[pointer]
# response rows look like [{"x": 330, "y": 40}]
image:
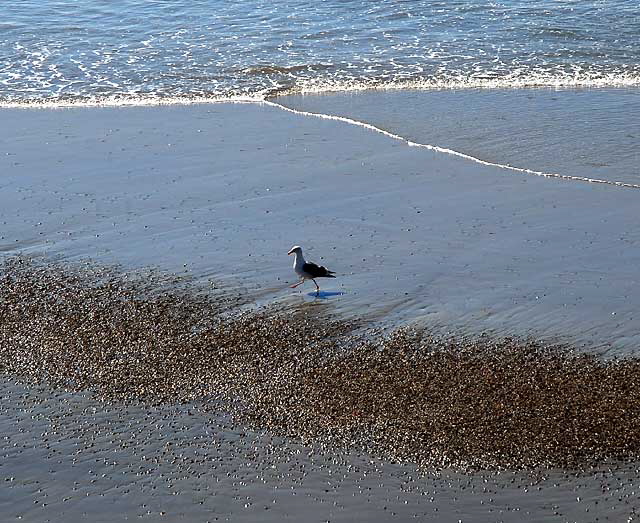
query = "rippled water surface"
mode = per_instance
[{"x": 66, "y": 49}]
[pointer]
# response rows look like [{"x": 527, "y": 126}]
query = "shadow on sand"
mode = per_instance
[{"x": 324, "y": 295}]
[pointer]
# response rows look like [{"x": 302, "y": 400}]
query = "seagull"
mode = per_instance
[{"x": 307, "y": 270}]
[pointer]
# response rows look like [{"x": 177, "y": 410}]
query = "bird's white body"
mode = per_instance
[{"x": 298, "y": 264}]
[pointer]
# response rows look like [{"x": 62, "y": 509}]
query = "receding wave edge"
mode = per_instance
[
  {"x": 453, "y": 152},
  {"x": 267, "y": 98}
]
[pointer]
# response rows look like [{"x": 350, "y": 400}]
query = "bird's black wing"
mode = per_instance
[{"x": 317, "y": 271}]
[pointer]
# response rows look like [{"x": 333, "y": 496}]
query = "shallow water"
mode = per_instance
[{"x": 592, "y": 133}]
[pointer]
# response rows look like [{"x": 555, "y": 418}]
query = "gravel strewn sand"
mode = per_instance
[{"x": 484, "y": 402}]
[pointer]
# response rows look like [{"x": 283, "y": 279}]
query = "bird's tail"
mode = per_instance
[{"x": 330, "y": 274}]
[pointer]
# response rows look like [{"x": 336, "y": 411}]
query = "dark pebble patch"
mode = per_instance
[{"x": 407, "y": 396}]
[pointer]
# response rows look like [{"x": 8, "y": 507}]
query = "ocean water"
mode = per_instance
[
  {"x": 79, "y": 49},
  {"x": 550, "y": 85}
]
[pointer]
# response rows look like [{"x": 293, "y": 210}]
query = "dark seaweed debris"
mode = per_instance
[{"x": 408, "y": 396}]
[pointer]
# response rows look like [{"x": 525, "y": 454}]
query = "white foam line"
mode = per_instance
[
  {"x": 444, "y": 150},
  {"x": 130, "y": 102}
]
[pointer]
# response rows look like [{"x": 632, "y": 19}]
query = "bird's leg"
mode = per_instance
[
  {"x": 317, "y": 288},
  {"x": 296, "y": 284}
]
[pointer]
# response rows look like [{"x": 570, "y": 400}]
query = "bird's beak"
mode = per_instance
[{"x": 290, "y": 253}]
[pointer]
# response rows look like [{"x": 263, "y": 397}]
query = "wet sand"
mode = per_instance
[
  {"x": 220, "y": 192},
  {"x": 68, "y": 457},
  {"x": 224, "y": 190}
]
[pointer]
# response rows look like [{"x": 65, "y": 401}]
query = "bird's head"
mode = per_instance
[{"x": 295, "y": 249}]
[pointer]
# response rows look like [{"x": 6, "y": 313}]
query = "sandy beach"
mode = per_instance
[
  {"x": 219, "y": 193},
  {"x": 469, "y": 171}
]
